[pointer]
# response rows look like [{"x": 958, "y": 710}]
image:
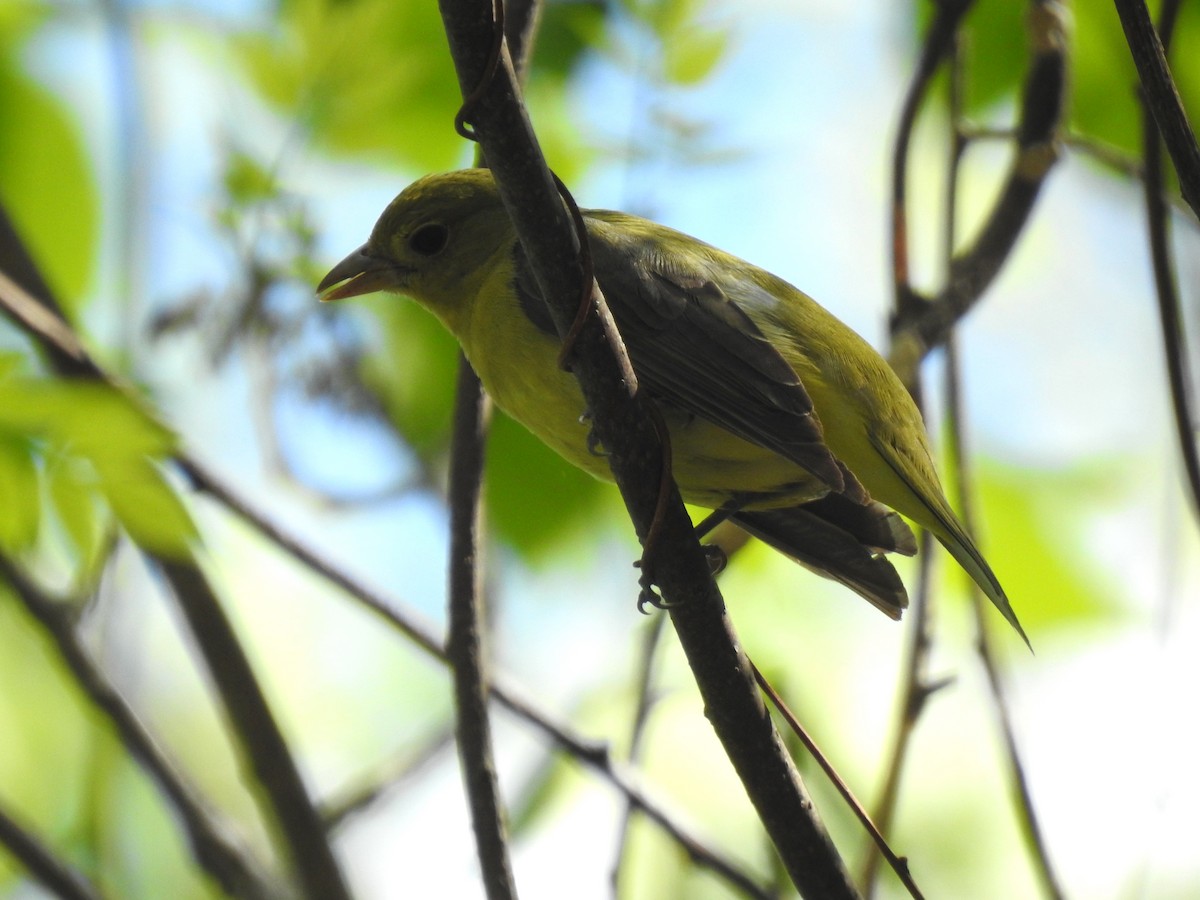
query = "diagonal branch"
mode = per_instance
[
  {"x": 213, "y": 845},
  {"x": 54, "y": 874},
  {"x": 1161, "y": 97},
  {"x": 680, "y": 570},
  {"x": 62, "y": 345},
  {"x": 285, "y": 798},
  {"x": 1174, "y": 338},
  {"x": 919, "y": 326}
]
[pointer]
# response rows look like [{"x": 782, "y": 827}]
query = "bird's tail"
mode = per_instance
[
  {"x": 839, "y": 541},
  {"x": 963, "y": 549}
]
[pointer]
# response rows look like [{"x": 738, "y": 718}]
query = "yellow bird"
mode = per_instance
[{"x": 778, "y": 413}]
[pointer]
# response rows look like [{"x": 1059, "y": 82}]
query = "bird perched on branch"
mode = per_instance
[{"x": 778, "y": 413}]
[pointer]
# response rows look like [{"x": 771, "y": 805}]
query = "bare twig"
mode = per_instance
[
  {"x": 464, "y": 644},
  {"x": 285, "y": 799},
  {"x": 41, "y": 862},
  {"x": 218, "y": 851},
  {"x": 622, "y": 426},
  {"x": 898, "y": 863},
  {"x": 919, "y": 325},
  {"x": 1174, "y": 339},
  {"x": 652, "y": 640},
  {"x": 62, "y": 345},
  {"x": 1026, "y": 813},
  {"x": 1161, "y": 97},
  {"x": 258, "y": 734}
]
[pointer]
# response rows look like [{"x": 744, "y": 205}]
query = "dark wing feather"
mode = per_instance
[
  {"x": 696, "y": 350},
  {"x": 810, "y": 538}
]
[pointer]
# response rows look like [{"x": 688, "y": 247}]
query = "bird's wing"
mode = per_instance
[{"x": 697, "y": 350}]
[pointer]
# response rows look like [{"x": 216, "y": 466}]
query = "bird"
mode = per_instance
[{"x": 779, "y": 415}]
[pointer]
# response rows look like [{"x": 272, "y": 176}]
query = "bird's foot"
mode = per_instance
[
  {"x": 717, "y": 558},
  {"x": 594, "y": 446}
]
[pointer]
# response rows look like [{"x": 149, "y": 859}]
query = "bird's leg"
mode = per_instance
[
  {"x": 717, "y": 560},
  {"x": 594, "y": 446}
]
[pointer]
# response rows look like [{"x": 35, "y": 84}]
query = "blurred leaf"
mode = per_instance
[
  {"x": 372, "y": 76},
  {"x": 94, "y": 420},
  {"x": 567, "y": 30},
  {"x": 20, "y": 498},
  {"x": 120, "y": 439},
  {"x": 246, "y": 180},
  {"x": 413, "y": 373},
  {"x": 999, "y": 52},
  {"x": 146, "y": 505},
  {"x": 536, "y": 500},
  {"x": 45, "y": 177},
  {"x": 545, "y": 792},
  {"x": 1036, "y": 542},
  {"x": 73, "y": 497},
  {"x": 691, "y": 55}
]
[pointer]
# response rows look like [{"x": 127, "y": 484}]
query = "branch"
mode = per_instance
[
  {"x": 921, "y": 326},
  {"x": 1161, "y": 97},
  {"x": 1024, "y": 799},
  {"x": 592, "y": 754},
  {"x": 679, "y": 567},
  {"x": 258, "y": 734},
  {"x": 60, "y": 343},
  {"x": 464, "y": 644},
  {"x": 254, "y": 726},
  {"x": 214, "y": 847},
  {"x": 41, "y": 862},
  {"x": 1174, "y": 339}
]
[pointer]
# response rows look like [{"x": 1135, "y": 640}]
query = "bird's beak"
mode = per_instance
[{"x": 360, "y": 273}]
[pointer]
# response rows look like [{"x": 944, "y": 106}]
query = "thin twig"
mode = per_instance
[
  {"x": 647, "y": 658},
  {"x": 1174, "y": 339},
  {"x": 679, "y": 568},
  {"x": 899, "y": 864},
  {"x": 921, "y": 326},
  {"x": 592, "y": 754},
  {"x": 464, "y": 643},
  {"x": 1026, "y": 813},
  {"x": 214, "y": 845},
  {"x": 41, "y": 862},
  {"x": 62, "y": 345},
  {"x": 285, "y": 799},
  {"x": 1161, "y": 97}
]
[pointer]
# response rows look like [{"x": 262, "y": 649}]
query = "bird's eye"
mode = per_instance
[{"x": 428, "y": 240}]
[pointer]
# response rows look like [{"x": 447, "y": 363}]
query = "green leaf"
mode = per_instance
[
  {"x": 45, "y": 179},
  {"x": 691, "y": 56},
  {"x": 20, "y": 497},
  {"x": 146, "y": 505},
  {"x": 372, "y": 76},
  {"x": 94, "y": 420},
  {"x": 1036, "y": 522},
  {"x": 73, "y": 498},
  {"x": 536, "y": 500},
  {"x": 413, "y": 372}
]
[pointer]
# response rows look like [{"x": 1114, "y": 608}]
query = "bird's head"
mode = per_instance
[{"x": 432, "y": 243}]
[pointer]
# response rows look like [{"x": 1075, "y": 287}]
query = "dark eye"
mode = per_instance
[{"x": 428, "y": 240}]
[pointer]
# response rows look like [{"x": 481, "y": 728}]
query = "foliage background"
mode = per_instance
[{"x": 184, "y": 172}]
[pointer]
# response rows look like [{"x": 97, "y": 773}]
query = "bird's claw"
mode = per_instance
[
  {"x": 594, "y": 446},
  {"x": 717, "y": 558}
]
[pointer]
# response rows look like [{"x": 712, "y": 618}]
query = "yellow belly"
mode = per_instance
[{"x": 710, "y": 465}]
